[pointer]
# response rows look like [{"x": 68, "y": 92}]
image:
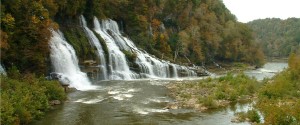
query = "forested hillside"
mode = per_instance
[
  {"x": 181, "y": 31},
  {"x": 278, "y": 37}
]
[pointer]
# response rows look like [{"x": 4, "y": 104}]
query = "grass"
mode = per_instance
[
  {"x": 251, "y": 116},
  {"x": 214, "y": 93}
]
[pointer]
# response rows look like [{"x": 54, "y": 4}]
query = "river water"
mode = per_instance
[
  {"x": 140, "y": 102},
  {"x": 267, "y": 71}
]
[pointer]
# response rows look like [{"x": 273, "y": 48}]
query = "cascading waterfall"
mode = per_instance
[
  {"x": 117, "y": 61},
  {"x": 175, "y": 75},
  {"x": 95, "y": 42},
  {"x": 149, "y": 65},
  {"x": 111, "y": 28},
  {"x": 65, "y": 62},
  {"x": 155, "y": 67},
  {"x": 2, "y": 70},
  {"x": 116, "y": 67}
]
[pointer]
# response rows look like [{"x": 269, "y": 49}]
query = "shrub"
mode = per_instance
[
  {"x": 231, "y": 87},
  {"x": 209, "y": 102},
  {"x": 279, "y": 97},
  {"x": 26, "y": 98},
  {"x": 253, "y": 116}
]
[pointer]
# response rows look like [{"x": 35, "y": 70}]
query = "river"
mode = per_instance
[{"x": 141, "y": 102}]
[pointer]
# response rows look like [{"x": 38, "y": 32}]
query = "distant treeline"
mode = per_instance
[{"x": 278, "y": 37}]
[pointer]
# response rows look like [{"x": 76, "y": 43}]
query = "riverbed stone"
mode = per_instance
[
  {"x": 172, "y": 106},
  {"x": 236, "y": 119},
  {"x": 55, "y": 102}
]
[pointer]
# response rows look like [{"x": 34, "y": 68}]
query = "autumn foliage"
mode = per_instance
[{"x": 198, "y": 32}]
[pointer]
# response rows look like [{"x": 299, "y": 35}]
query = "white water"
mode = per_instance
[
  {"x": 2, "y": 70},
  {"x": 175, "y": 75},
  {"x": 117, "y": 61},
  {"x": 64, "y": 61},
  {"x": 150, "y": 66},
  {"x": 96, "y": 43}
]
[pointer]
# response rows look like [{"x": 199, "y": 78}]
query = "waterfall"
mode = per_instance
[
  {"x": 117, "y": 60},
  {"x": 149, "y": 66},
  {"x": 111, "y": 28},
  {"x": 96, "y": 43},
  {"x": 2, "y": 70},
  {"x": 65, "y": 62},
  {"x": 175, "y": 75}
]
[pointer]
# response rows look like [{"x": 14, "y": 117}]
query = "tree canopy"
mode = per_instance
[{"x": 278, "y": 37}]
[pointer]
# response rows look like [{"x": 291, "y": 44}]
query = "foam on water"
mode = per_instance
[{"x": 64, "y": 61}]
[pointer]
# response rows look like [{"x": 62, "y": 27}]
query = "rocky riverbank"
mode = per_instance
[
  {"x": 224, "y": 68},
  {"x": 212, "y": 93}
]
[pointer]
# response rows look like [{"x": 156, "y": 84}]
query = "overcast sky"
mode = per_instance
[{"x": 248, "y": 10}]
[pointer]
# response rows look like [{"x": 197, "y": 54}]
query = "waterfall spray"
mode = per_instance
[{"x": 65, "y": 62}]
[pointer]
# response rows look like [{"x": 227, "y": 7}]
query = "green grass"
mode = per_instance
[
  {"x": 251, "y": 115},
  {"x": 214, "y": 93}
]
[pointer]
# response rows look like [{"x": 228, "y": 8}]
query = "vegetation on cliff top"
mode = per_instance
[
  {"x": 25, "y": 34},
  {"x": 202, "y": 31}
]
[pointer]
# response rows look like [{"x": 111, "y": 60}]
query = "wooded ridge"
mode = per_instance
[
  {"x": 204, "y": 31},
  {"x": 279, "y": 38}
]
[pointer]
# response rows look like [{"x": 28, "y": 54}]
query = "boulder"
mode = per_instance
[{"x": 55, "y": 102}]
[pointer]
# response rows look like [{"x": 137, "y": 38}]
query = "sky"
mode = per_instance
[{"x": 248, "y": 10}]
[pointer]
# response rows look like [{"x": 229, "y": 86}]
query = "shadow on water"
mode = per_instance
[{"x": 133, "y": 102}]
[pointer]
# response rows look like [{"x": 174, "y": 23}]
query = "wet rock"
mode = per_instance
[
  {"x": 203, "y": 108},
  {"x": 236, "y": 119},
  {"x": 247, "y": 120},
  {"x": 192, "y": 102},
  {"x": 222, "y": 103},
  {"x": 55, "y": 102},
  {"x": 200, "y": 107},
  {"x": 89, "y": 63},
  {"x": 134, "y": 67},
  {"x": 172, "y": 106}
]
